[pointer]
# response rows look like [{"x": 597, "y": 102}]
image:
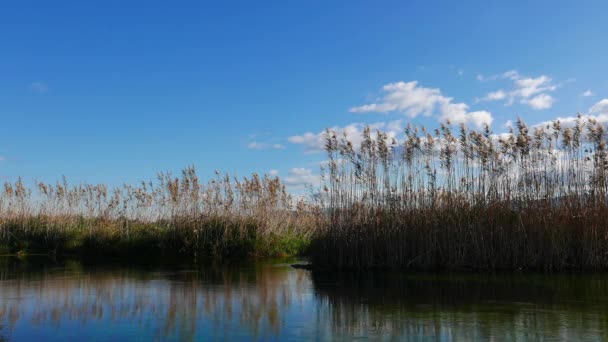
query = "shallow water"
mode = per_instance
[{"x": 44, "y": 300}]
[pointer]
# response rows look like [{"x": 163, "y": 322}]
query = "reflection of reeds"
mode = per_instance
[
  {"x": 170, "y": 216},
  {"x": 463, "y": 307},
  {"x": 228, "y": 299},
  {"x": 531, "y": 199}
]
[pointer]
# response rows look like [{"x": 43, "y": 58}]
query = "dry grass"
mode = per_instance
[{"x": 172, "y": 216}]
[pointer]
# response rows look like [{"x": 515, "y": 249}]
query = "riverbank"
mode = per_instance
[{"x": 206, "y": 238}]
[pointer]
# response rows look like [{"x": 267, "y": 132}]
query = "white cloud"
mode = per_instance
[
  {"x": 531, "y": 91},
  {"x": 312, "y": 141},
  {"x": 511, "y": 74},
  {"x": 508, "y": 124},
  {"x": 600, "y": 108},
  {"x": 273, "y": 172},
  {"x": 412, "y": 100},
  {"x": 587, "y": 93},
  {"x": 541, "y": 101},
  {"x": 570, "y": 121},
  {"x": 597, "y": 112},
  {"x": 254, "y": 145},
  {"x": 406, "y": 97},
  {"x": 526, "y": 87},
  {"x": 300, "y": 177},
  {"x": 494, "y": 96},
  {"x": 478, "y": 118},
  {"x": 38, "y": 87},
  {"x": 460, "y": 72},
  {"x": 315, "y": 142}
]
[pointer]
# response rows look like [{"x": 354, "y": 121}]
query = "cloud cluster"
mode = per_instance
[
  {"x": 315, "y": 142},
  {"x": 299, "y": 178},
  {"x": 598, "y": 112},
  {"x": 412, "y": 100},
  {"x": 531, "y": 91},
  {"x": 600, "y": 108}
]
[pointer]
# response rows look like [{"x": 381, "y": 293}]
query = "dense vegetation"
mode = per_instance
[
  {"x": 171, "y": 217},
  {"x": 532, "y": 198},
  {"x": 527, "y": 199}
]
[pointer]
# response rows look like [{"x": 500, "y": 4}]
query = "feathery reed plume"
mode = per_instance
[{"x": 174, "y": 215}]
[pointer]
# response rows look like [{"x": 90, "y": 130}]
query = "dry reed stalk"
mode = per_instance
[{"x": 531, "y": 199}]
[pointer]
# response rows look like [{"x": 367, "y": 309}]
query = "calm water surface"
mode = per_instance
[{"x": 43, "y": 300}]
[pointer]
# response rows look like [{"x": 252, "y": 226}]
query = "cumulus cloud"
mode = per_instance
[
  {"x": 478, "y": 118},
  {"x": 254, "y": 145},
  {"x": 600, "y": 108},
  {"x": 526, "y": 87},
  {"x": 531, "y": 91},
  {"x": 315, "y": 142},
  {"x": 541, "y": 101},
  {"x": 412, "y": 100},
  {"x": 587, "y": 93},
  {"x": 299, "y": 177},
  {"x": 495, "y": 95},
  {"x": 406, "y": 97},
  {"x": 597, "y": 112},
  {"x": 312, "y": 141}
]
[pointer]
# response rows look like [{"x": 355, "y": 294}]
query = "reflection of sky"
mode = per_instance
[
  {"x": 117, "y": 305},
  {"x": 269, "y": 302}
]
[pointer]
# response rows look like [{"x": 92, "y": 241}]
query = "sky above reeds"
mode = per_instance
[{"x": 115, "y": 91}]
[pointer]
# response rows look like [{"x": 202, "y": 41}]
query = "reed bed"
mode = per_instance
[
  {"x": 534, "y": 198},
  {"x": 171, "y": 216},
  {"x": 455, "y": 198}
]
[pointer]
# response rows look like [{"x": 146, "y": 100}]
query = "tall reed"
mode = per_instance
[{"x": 456, "y": 198}]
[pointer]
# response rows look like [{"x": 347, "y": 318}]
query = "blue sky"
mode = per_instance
[{"x": 115, "y": 91}]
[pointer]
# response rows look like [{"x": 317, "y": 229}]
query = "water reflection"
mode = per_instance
[
  {"x": 67, "y": 300},
  {"x": 465, "y": 307},
  {"x": 219, "y": 302}
]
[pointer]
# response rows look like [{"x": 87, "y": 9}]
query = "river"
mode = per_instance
[{"x": 50, "y": 300}]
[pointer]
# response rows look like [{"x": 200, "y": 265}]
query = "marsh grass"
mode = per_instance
[
  {"x": 534, "y": 198},
  {"x": 172, "y": 216}
]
